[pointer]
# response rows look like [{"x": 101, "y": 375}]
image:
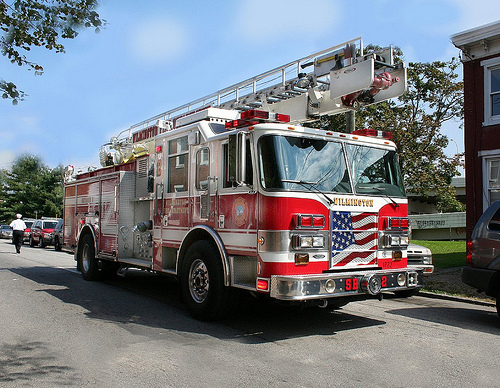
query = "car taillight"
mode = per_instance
[{"x": 468, "y": 257}]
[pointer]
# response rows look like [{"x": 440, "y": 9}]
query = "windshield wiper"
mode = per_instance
[
  {"x": 312, "y": 185},
  {"x": 381, "y": 191}
]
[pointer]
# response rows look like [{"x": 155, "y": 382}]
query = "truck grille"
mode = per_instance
[{"x": 354, "y": 239}]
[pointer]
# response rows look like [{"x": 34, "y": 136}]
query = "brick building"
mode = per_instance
[{"x": 481, "y": 67}]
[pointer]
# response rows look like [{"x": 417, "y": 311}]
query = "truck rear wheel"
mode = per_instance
[
  {"x": 202, "y": 282},
  {"x": 86, "y": 259}
]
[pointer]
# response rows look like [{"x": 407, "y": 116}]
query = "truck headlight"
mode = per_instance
[
  {"x": 308, "y": 241},
  {"x": 393, "y": 240}
]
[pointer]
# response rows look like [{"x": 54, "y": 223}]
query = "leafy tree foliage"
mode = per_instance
[
  {"x": 40, "y": 23},
  {"x": 434, "y": 96},
  {"x": 30, "y": 188}
]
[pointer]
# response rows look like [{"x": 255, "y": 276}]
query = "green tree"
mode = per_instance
[
  {"x": 40, "y": 23},
  {"x": 30, "y": 188},
  {"x": 434, "y": 96}
]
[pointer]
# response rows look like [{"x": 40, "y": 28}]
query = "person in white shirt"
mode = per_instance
[{"x": 18, "y": 227}]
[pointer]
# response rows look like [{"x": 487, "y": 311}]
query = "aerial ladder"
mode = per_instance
[{"x": 339, "y": 79}]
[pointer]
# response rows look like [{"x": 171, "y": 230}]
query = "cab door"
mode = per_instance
[{"x": 203, "y": 187}]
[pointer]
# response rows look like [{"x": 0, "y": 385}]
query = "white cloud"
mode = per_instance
[
  {"x": 6, "y": 159},
  {"x": 267, "y": 20},
  {"x": 158, "y": 41}
]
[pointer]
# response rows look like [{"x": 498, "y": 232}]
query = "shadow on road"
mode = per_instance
[
  {"x": 145, "y": 299},
  {"x": 467, "y": 317},
  {"x": 28, "y": 361}
]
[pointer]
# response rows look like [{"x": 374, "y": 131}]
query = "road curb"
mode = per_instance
[{"x": 455, "y": 298}]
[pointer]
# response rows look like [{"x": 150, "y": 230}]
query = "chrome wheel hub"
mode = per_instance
[{"x": 198, "y": 281}]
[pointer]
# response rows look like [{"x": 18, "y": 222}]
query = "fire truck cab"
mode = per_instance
[{"x": 230, "y": 196}]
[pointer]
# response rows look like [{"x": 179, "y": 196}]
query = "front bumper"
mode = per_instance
[
  {"x": 427, "y": 269},
  {"x": 341, "y": 284}
]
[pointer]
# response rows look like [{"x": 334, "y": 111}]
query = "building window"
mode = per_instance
[
  {"x": 493, "y": 180},
  {"x": 491, "y": 176},
  {"x": 491, "y": 91}
]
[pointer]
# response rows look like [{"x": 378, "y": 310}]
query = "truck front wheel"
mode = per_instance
[
  {"x": 86, "y": 258},
  {"x": 202, "y": 282}
]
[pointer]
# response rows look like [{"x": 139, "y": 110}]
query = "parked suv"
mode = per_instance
[
  {"x": 42, "y": 232},
  {"x": 483, "y": 255},
  {"x": 58, "y": 235}
]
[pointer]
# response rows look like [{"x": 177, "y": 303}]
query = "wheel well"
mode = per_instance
[
  {"x": 494, "y": 285},
  {"x": 86, "y": 230},
  {"x": 202, "y": 232}
]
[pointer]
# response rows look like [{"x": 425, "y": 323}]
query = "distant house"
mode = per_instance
[
  {"x": 428, "y": 224},
  {"x": 481, "y": 65}
]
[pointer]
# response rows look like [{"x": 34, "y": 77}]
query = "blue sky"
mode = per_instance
[{"x": 156, "y": 55}]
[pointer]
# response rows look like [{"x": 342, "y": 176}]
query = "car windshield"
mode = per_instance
[
  {"x": 297, "y": 163},
  {"x": 375, "y": 170},
  {"x": 28, "y": 223},
  {"x": 302, "y": 164},
  {"x": 49, "y": 224}
]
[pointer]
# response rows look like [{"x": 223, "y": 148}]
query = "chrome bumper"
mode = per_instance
[{"x": 341, "y": 284}]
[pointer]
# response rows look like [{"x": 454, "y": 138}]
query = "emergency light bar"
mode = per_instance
[
  {"x": 373, "y": 133},
  {"x": 254, "y": 116}
]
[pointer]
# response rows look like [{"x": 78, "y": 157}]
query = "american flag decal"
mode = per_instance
[{"x": 354, "y": 239}]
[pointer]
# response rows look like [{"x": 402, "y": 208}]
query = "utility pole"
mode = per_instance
[{"x": 350, "y": 121}]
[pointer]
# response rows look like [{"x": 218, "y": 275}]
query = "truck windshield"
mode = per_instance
[
  {"x": 297, "y": 163},
  {"x": 375, "y": 171},
  {"x": 304, "y": 164}
]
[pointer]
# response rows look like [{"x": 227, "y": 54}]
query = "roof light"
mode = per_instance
[
  {"x": 263, "y": 115},
  {"x": 239, "y": 123},
  {"x": 254, "y": 116},
  {"x": 373, "y": 133}
]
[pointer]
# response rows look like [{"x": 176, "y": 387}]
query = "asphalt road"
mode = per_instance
[{"x": 57, "y": 329}]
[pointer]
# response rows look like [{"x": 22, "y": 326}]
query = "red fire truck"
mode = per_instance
[{"x": 234, "y": 191}]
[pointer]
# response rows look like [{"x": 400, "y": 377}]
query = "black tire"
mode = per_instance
[
  {"x": 57, "y": 244},
  {"x": 202, "y": 282},
  {"x": 32, "y": 243},
  {"x": 407, "y": 293},
  {"x": 89, "y": 266},
  {"x": 336, "y": 303},
  {"x": 42, "y": 243}
]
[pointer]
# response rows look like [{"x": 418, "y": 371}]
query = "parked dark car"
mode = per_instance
[
  {"x": 42, "y": 232},
  {"x": 483, "y": 255},
  {"x": 5, "y": 231},
  {"x": 58, "y": 235}
]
